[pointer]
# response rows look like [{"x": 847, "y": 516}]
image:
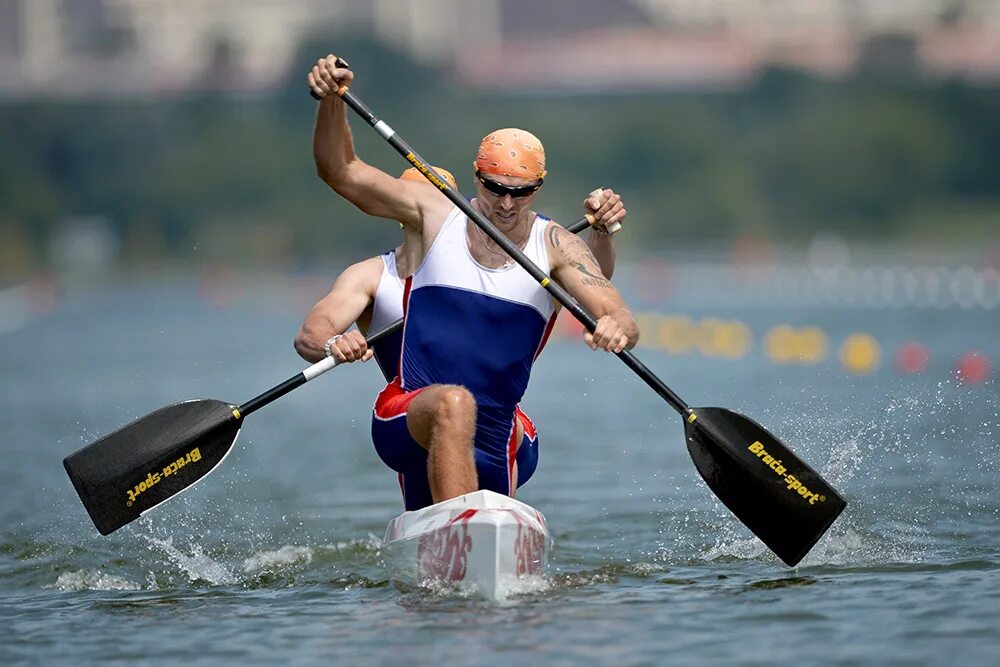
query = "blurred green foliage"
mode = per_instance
[{"x": 231, "y": 176}]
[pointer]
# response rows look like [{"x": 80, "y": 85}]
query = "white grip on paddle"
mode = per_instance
[
  {"x": 613, "y": 227},
  {"x": 319, "y": 368}
]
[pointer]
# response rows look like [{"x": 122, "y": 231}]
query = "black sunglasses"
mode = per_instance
[{"x": 515, "y": 191}]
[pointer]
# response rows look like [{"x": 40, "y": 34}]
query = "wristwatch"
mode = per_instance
[{"x": 327, "y": 346}]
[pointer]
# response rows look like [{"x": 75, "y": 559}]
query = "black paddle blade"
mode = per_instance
[
  {"x": 770, "y": 489},
  {"x": 150, "y": 460}
]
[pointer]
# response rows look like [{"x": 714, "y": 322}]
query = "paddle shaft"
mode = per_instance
[
  {"x": 557, "y": 292},
  {"x": 314, "y": 371},
  {"x": 581, "y": 224}
]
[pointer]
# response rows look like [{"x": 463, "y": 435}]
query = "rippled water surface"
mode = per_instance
[{"x": 275, "y": 558}]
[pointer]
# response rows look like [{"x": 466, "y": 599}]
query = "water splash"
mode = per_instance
[
  {"x": 883, "y": 523},
  {"x": 92, "y": 580},
  {"x": 362, "y": 547},
  {"x": 197, "y": 564},
  {"x": 514, "y": 587},
  {"x": 268, "y": 561},
  {"x": 509, "y": 590}
]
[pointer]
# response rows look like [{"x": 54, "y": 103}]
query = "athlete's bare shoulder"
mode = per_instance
[
  {"x": 362, "y": 276},
  {"x": 567, "y": 250},
  {"x": 561, "y": 241}
]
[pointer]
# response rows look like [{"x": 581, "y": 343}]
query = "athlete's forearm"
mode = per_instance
[
  {"x": 333, "y": 144},
  {"x": 312, "y": 337},
  {"x": 332, "y": 315},
  {"x": 370, "y": 189},
  {"x": 603, "y": 247}
]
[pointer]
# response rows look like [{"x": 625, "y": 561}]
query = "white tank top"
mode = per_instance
[
  {"x": 386, "y": 309},
  {"x": 388, "y": 304},
  {"x": 474, "y": 326}
]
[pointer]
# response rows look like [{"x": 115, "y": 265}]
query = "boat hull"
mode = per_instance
[{"x": 481, "y": 541}]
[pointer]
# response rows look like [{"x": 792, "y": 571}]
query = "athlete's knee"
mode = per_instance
[
  {"x": 454, "y": 403},
  {"x": 444, "y": 410}
]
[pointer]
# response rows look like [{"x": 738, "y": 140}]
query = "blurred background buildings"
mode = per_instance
[{"x": 60, "y": 48}]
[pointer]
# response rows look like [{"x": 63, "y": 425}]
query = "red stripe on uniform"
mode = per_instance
[
  {"x": 407, "y": 284},
  {"x": 512, "y": 444},
  {"x": 394, "y": 401},
  {"x": 526, "y": 423},
  {"x": 545, "y": 336}
]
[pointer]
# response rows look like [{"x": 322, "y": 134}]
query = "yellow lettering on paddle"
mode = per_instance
[
  {"x": 153, "y": 478},
  {"x": 426, "y": 172},
  {"x": 792, "y": 482}
]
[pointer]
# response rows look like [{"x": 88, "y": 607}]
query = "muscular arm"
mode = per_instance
[
  {"x": 352, "y": 293},
  {"x": 603, "y": 248},
  {"x": 608, "y": 210},
  {"x": 371, "y": 190},
  {"x": 574, "y": 266}
]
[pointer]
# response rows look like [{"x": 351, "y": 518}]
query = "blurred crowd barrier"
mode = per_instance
[{"x": 858, "y": 353}]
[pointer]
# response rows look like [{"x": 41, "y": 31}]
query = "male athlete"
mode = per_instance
[
  {"x": 370, "y": 293},
  {"x": 475, "y": 320}
]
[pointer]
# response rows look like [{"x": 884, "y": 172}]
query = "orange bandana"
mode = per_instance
[
  {"x": 511, "y": 152},
  {"x": 412, "y": 174}
]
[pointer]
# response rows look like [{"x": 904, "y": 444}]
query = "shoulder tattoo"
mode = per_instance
[{"x": 578, "y": 254}]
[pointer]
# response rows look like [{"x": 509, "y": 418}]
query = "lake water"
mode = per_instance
[{"x": 274, "y": 557}]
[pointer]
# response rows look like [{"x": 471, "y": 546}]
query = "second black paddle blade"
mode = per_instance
[
  {"x": 150, "y": 460},
  {"x": 770, "y": 489}
]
